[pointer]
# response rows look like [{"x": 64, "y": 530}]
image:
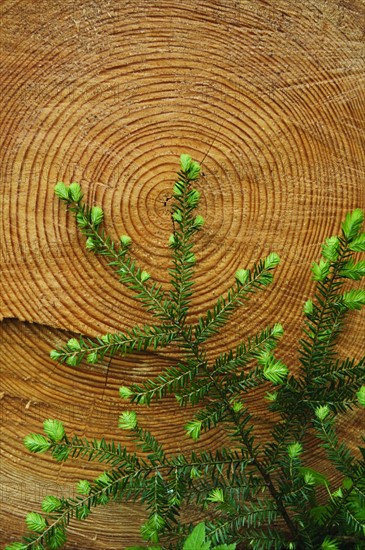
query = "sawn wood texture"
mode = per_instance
[{"x": 268, "y": 95}]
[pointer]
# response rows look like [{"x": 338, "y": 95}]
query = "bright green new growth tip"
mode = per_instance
[{"x": 262, "y": 494}]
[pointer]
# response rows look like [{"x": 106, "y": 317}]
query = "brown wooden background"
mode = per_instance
[{"x": 268, "y": 95}]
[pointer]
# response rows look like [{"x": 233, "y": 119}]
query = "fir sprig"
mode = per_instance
[
  {"x": 247, "y": 281},
  {"x": 185, "y": 225},
  {"x": 137, "y": 339},
  {"x": 264, "y": 494}
]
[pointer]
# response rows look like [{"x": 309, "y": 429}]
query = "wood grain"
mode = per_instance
[{"x": 268, "y": 96}]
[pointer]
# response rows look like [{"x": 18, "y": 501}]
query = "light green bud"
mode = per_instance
[
  {"x": 294, "y": 450},
  {"x": 74, "y": 344},
  {"x": 104, "y": 478},
  {"x": 194, "y": 473},
  {"x": 194, "y": 171},
  {"x": 93, "y": 357},
  {"x": 54, "y": 429},
  {"x": 83, "y": 487},
  {"x": 330, "y": 249},
  {"x": 193, "y": 197},
  {"x": 62, "y": 191},
  {"x": 51, "y": 504},
  {"x": 216, "y": 495},
  {"x": 145, "y": 276},
  {"x": 322, "y": 411},
  {"x": 73, "y": 361},
  {"x": 185, "y": 162},
  {"x": 190, "y": 258},
  {"x": 242, "y": 275},
  {"x": 199, "y": 221},
  {"x": 55, "y": 355},
  {"x": 177, "y": 216},
  {"x": 90, "y": 243},
  {"x": 35, "y": 522},
  {"x": 128, "y": 420},
  {"x": 97, "y": 215},
  {"x": 361, "y": 396},
  {"x": 125, "y": 392},
  {"x": 320, "y": 271},
  {"x": 237, "y": 406},
  {"x": 125, "y": 240},
  {"x": 308, "y": 307},
  {"x": 75, "y": 192},
  {"x": 271, "y": 396}
]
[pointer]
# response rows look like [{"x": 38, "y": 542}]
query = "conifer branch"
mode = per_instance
[
  {"x": 185, "y": 225},
  {"x": 263, "y": 494},
  {"x": 324, "y": 319},
  {"x": 88, "y": 221},
  {"x": 241, "y": 520},
  {"x": 247, "y": 282},
  {"x": 110, "y": 344}
]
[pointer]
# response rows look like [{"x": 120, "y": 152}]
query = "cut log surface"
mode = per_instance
[{"x": 268, "y": 95}]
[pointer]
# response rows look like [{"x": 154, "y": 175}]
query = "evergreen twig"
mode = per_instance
[{"x": 262, "y": 494}]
